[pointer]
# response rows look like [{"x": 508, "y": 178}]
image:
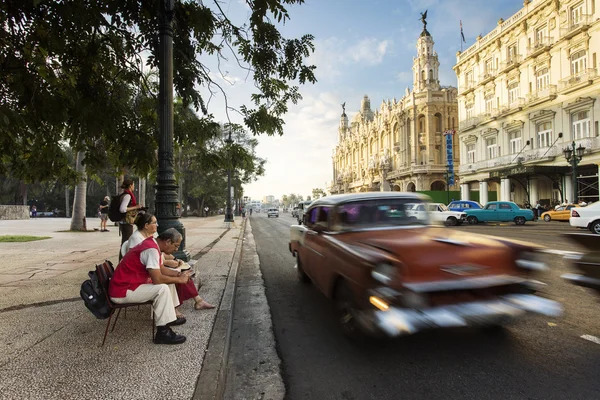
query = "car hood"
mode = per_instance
[{"x": 429, "y": 253}]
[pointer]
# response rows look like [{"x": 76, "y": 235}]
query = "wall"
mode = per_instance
[{"x": 14, "y": 212}]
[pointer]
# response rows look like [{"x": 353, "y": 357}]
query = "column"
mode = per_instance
[
  {"x": 504, "y": 189},
  {"x": 483, "y": 192},
  {"x": 568, "y": 191},
  {"x": 533, "y": 191},
  {"x": 464, "y": 191}
]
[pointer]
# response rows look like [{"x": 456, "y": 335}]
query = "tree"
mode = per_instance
[
  {"x": 318, "y": 193},
  {"x": 78, "y": 221},
  {"x": 72, "y": 71},
  {"x": 285, "y": 200}
]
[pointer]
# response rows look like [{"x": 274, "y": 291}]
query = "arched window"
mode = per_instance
[
  {"x": 423, "y": 75},
  {"x": 430, "y": 75}
]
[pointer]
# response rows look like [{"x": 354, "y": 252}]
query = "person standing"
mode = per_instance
[
  {"x": 104, "y": 213},
  {"x": 33, "y": 211},
  {"x": 130, "y": 208}
]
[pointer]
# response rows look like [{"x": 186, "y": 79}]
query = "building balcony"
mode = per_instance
[
  {"x": 468, "y": 124},
  {"x": 513, "y": 62},
  {"x": 540, "y": 46},
  {"x": 577, "y": 81},
  {"x": 582, "y": 24},
  {"x": 540, "y": 96},
  {"x": 513, "y": 107},
  {"x": 488, "y": 115},
  {"x": 467, "y": 88},
  {"x": 487, "y": 77}
]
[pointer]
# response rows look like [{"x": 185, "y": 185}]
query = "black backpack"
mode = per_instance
[
  {"x": 93, "y": 294},
  {"x": 114, "y": 214}
]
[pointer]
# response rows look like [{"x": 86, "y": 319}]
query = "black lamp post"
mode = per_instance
[
  {"x": 574, "y": 156},
  {"x": 166, "y": 185},
  {"x": 228, "y": 213}
]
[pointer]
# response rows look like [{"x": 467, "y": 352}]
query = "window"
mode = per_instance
[
  {"x": 469, "y": 111},
  {"x": 577, "y": 14},
  {"x": 489, "y": 103},
  {"x": 513, "y": 92},
  {"x": 581, "y": 125},
  {"x": 544, "y": 134},
  {"x": 540, "y": 36},
  {"x": 515, "y": 142},
  {"x": 489, "y": 66},
  {"x": 578, "y": 62},
  {"x": 491, "y": 206},
  {"x": 470, "y": 154},
  {"x": 312, "y": 216},
  {"x": 542, "y": 79},
  {"x": 492, "y": 148},
  {"x": 323, "y": 217},
  {"x": 469, "y": 79},
  {"x": 511, "y": 54},
  {"x": 504, "y": 206}
]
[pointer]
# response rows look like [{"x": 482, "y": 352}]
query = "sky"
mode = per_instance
[{"x": 363, "y": 47}]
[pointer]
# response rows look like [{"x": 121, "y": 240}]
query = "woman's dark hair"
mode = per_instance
[
  {"x": 142, "y": 219},
  {"x": 126, "y": 183}
]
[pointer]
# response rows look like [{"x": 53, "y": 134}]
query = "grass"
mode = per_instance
[{"x": 21, "y": 238}]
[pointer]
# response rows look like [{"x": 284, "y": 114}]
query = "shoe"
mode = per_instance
[
  {"x": 178, "y": 321},
  {"x": 165, "y": 335},
  {"x": 203, "y": 305},
  {"x": 106, "y": 230}
]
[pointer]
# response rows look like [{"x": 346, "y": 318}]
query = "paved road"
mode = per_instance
[{"x": 537, "y": 358}]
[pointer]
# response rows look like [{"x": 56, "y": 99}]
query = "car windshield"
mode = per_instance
[
  {"x": 443, "y": 207},
  {"x": 377, "y": 213}
]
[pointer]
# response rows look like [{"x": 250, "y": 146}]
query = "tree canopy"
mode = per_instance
[{"x": 72, "y": 74}]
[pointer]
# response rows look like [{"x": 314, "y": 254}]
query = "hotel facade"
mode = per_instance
[{"x": 527, "y": 91}]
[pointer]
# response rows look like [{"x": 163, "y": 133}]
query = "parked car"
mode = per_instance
[
  {"x": 273, "y": 212},
  {"x": 463, "y": 205},
  {"x": 295, "y": 212},
  {"x": 586, "y": 217},
  {"x": 588, "y": 264},
  {"x": 500, "y": 211},
  {"x": 302, "y": 206},
  {"x": 389, "y": 274},
  {"x": 560, "y": 213},
  {"x": 436, "y": 213}
]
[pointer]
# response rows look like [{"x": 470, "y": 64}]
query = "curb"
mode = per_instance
[{"x": 211, "y": 381}]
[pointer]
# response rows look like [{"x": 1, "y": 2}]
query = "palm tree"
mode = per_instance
[{"x": 78, "y": 222}]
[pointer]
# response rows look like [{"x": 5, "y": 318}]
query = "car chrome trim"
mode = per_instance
[
  {"x": 532, "y": 265},
  {"x": 466, "y": 283},
  {"x": 398, "y": 321},
  {"x": 582, "y": 280},
  {"x": 452, "y": 241}
]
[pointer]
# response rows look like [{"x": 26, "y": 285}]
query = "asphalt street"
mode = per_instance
[{"x": 534, "y": 358}]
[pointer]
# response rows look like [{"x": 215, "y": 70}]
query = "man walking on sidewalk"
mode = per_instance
[{"x": 130, "y": 283}]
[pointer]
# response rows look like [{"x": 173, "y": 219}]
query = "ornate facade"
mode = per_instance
[
  {"x": 400, "y": 146},
  {"x": 527, "y": 90}
]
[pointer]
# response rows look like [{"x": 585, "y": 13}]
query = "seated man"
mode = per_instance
[{"x": 138, "y": 279}]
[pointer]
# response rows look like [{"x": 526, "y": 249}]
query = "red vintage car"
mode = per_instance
[{"x": 390, "y": 274}]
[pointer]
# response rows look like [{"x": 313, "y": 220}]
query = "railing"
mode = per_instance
[
  {"x": 543, "y": 94},
  {"x": 514, "y": 106},
  {"x": 583, "y": 77},
  {"x": 468, "y": 123},
  {"x": 468, "y": 86},
  {"x": 540, "y": 45},
  {"x": 487, "y": 76},
  {"x": 574, "y": 26},
  {"x": 484, "y": 116},
  {"x": 511, "y": 63}
]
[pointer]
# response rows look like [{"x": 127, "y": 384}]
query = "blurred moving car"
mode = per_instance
[
  {"x": 463, "y": 205},
  {"x": 588, "y": 265},
  {"x": 500, "y": 211},
  {"x": 560, "y": 213},
  {"x": 273, "y": 212},
  {"x": 586, "y": 217},
  {"x": 302, "y": 206},
  {"x": 390, "y": 274}
]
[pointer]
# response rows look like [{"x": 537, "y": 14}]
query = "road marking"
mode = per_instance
[{"x": 591, "y": 338}]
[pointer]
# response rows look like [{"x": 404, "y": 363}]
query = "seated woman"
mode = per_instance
[{"x": 147, "y": 226}]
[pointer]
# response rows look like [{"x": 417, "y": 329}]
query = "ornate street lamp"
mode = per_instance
[
  {"x": 166, "y": 185},
  {"x": 573, "y": 156},
  {"x": 228, "y": 213}
]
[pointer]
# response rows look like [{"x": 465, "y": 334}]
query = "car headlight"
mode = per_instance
[
  {"x": 528, "y": 260},
  {"x": 384, "y": 273}
]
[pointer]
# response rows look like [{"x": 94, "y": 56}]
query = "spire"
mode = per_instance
[{"x": 425, "y": 65}]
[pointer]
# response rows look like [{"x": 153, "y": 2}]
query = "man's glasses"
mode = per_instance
[{"x": 153, "y": 223}]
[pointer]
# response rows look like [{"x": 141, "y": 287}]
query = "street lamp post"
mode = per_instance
[
  {"x": 228, "y": 213},
  {"x": 574, "y": 156},
  {"x": 166, "y": 185}
]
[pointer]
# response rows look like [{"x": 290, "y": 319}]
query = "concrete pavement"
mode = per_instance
[{"x": 51, "y": 342}]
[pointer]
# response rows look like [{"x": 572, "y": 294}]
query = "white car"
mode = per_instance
[
  {"x": 436, "y": 213},
  {"x": 273, "y": 212},
  {"x": 586, "y": 217}
]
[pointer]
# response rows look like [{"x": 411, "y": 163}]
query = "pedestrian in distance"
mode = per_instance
[
  {"x": 138, "y": 278},
  {"x": 33, "y": 211},
  {"x": 103, "y": 207},
  {"x": 130, "y": 208}
]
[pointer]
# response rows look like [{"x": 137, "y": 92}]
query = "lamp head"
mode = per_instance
[
  {"x": 568, "y": 152},
  {"x": 580, "y": 150}
]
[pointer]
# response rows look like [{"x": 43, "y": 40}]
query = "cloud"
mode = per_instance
[{"x": 368, "y": 51}]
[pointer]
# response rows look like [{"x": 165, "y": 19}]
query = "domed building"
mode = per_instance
[{"x": 402, "y": 145}]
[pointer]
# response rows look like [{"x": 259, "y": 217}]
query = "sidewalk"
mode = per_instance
[{"x": 51, "y": 342}]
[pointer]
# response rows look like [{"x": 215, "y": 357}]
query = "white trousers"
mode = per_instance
[{"x": 162, "y": 300}]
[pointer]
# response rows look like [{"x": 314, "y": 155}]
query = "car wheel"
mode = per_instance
[
  {"x": 520, "y": 220},
  {"x": 451, "y": 221},
  {"x": 595, "y": 227},
  {"x": 347, "y": 312},
  {"x": 302, "y": 277},
  {"x": 547, "y": 218},
  {"x": 472, "y": 220}
]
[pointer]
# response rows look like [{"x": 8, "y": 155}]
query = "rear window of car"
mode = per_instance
[{"x": 376, "y": 213}]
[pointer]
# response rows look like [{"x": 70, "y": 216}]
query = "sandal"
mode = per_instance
[{"x": 203, "y": 305}]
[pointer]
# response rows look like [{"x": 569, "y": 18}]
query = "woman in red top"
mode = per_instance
[{"x": 130, "y": 207}]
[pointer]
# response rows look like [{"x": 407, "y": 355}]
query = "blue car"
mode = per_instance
[
  {"x": 463, "y": 205},
  {"x": 500, "y": 211}
]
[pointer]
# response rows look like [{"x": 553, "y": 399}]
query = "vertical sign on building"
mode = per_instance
[{"x": 449, "y": 158}]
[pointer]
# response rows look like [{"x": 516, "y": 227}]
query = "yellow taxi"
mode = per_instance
[{"x": 560, "y": 213}]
